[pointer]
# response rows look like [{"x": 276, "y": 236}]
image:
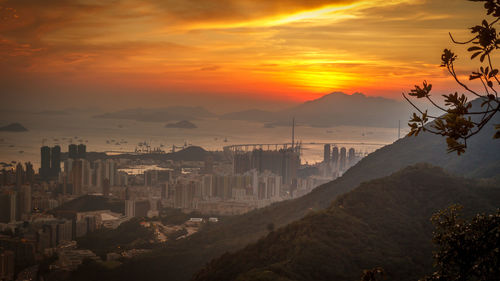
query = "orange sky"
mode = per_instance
[{"x": 126, "y": 53}]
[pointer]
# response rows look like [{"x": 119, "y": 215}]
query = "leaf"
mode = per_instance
[
  {"x": 482, "y": 57},
  {"x": 497, "y": 133},
  {"x": 474, "y": 48}
]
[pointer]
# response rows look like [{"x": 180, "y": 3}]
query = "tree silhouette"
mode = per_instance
[
  {"x": 374, "y": 274},
  {"x": 466, "y": 250},
  {"x": 456, "y": 123}
]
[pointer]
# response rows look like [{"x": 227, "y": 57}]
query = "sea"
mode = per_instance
[{"x": 119, "y": 135}]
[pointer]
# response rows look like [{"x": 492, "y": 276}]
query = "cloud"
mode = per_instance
[
  {"x": 242, "y": 10},
  {"x": 277, "y": 49}
]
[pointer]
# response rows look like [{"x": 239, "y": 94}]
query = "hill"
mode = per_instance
[
  {"x": 88, "y": 203},
  {"x": 384, "y": 222},
  {"x": 130, "y": 234},
  {"x": 190, "y": 153},
  {"x": 181, "y": 259},
  {"x": 334, "y": 109},
  {"x": 13, "y": 127},
  {"x": 184, "y": 124}
]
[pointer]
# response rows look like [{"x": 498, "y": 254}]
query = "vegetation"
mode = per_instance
[
  {"x": 467, "y": 250},
  {"x": 374, "y": 274},
  {"x": 171, "y": 216},
  {"x": 88, "y": 203},
  {"x": 128, "y": 235},
  {"x": 460, "y": 121},
  {"x": 382, "y": 223}
]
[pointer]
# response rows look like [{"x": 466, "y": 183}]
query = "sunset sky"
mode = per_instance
[{"x": 130, "y": 53}]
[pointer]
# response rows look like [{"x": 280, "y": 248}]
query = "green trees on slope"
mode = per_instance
[{"x": 467, "y": 250}]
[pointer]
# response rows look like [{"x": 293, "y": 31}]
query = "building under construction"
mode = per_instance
[{"x": 283, "y": 162}]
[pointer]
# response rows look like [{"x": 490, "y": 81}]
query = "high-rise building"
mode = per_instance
[
  {"x": 110, "y": 171},
  {"x": 86, "y": 173},
  {"x": 351, "y": 157},
  {"x": 99, "y": 172},
  {"x": 82, "y": 151},
  {"x": 128, "y": 196},
  {"x": 164, "y": 191},
  {"x": 130, "y": 208},
  {"x": 284, "y": 162},
  {"x": 342, "y": 160},
  {"x": 209, "y": 164},
  {"x": 8, "y": 206},
  {"x": 150, "y": 177},
  {"x": 30, "y": 173},
  {"x": 335, "y": 158},
  {"x": 23, "y": 202},
  {"x": 141, "y": 208},
  {"x": 105, "y": 188},
  {"x": 55, "y": 161},
  {"x": 76, "y": 177},
  {"x": 73, "y": 151},
  {"x": 20, "y": 176},
  {"x": 45, "y": 162},
  {"x": 7, "y": 263},
  {"x": 326, "y": 154},
  {"x": 5, "y": 208},
  {"x": 121, "y": 179},
  {"x": 64, "y": 231}
]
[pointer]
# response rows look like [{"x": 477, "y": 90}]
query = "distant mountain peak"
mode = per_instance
[
  {"x": 13, "y": 127},
  {"x": 333, "y": 109}
]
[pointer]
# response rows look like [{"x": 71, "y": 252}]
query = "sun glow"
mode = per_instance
[{"x": 273, "y": 50}]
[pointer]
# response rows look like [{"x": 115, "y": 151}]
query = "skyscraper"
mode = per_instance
[
  {"x": 73, "y": 151},
  {"x": 110, "y": 171},
  {"x": 351, "y": 157},
  {"x": 105, "y": 188},
  {"x": 7, "y": 263},
  {"x": 335, "y": 156},
  {"x": 19, "y": 175},
  {"x": 45, "y": 162},
  {"x": 30, "y": 173},
  {"x": 23, "y": 202},
  {"x": 342, "y": 160},
  {"x": 130, "y": 208},
  {"x": 55, "y": 161},
  {"x": 326, "y": 154},
  {"x": 335, "y": 161},
  {"x": 76, "y": 173},
  {"x": 7, "y": 206},
  {"x": 82, "y": 151}
]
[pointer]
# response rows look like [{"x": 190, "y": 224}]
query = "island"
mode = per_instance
[
  {"x": 184, "y": 124},
  {"x": 14, "y": 127}
]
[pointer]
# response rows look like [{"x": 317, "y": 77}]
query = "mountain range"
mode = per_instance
[
  {"x": 179, "y": 260},
  {"x": 382, "y": 223},
  {"x": 333, "y": 109}
]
